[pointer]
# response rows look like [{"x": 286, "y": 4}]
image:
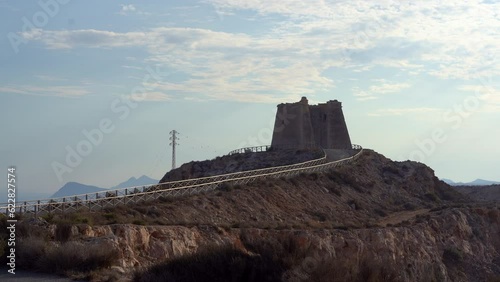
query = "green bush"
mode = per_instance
[
  {"x": 139, "y": 222},
  {"x": 77, "y": 219},
  {"x": 49, "y": 217},
  {"x": 111, "y": 217}
]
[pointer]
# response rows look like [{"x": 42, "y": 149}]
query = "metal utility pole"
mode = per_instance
[{"x": 173, "y": 138}]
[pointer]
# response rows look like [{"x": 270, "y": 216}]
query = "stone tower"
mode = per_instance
[{"x": 300, "y": 126}]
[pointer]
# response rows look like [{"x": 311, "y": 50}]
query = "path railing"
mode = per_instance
[
  {"x": 108, "y": 198},
  {"x": 250, "y": 150}
]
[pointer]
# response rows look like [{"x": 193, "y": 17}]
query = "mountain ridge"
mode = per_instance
[
  {"x": 132, "y": 181},
  {"x": 477, "y": 182},
  {"x": 76, "y": 188}
]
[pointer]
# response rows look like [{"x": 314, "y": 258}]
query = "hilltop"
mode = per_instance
[
  {"x": 366, "y": 220},
  {"x": 348, "y": 196},
  {"x": 240, "y": 162}
]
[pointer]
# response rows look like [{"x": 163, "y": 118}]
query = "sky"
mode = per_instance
[{"x": 89, "y": 90}]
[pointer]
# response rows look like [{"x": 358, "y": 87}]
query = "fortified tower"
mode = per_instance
[{"x": 301, "y": 126}]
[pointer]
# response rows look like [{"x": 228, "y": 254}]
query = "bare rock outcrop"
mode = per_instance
[{"x": 454, "y": 244}]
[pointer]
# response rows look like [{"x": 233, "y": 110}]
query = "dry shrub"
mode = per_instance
[
  {"x": 35, "y": 253},
  {"x": 63, "y": 231},
  {"x": 493, "y": 215},
  {"x": 29, "y": 251},
  {"x": 25, "y": 230},
  {"x": 76, "y": 257}
]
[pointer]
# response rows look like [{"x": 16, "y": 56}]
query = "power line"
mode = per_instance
[{"x": 173, "y": 138}]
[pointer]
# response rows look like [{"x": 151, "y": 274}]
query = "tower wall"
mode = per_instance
[
  {"x": 292, "y": 127},
  {"x": 319, "y": 119},
  {"x": 299, "y": 125},
  {"x": 338, "y": 135}
]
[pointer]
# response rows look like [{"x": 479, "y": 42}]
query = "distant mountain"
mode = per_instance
[
  {"x": 141, "y": 181},
  {"x": 448, "y": 181},
  {"x": 75, "y": 188},
  {"x": 477, "y": 182}
]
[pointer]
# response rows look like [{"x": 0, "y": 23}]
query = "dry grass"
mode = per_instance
[
  {"x": 66, "y": 258},
  {"x": 77, "y": 257}
]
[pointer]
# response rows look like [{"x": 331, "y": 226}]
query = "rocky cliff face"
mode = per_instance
[{"x": 453, "y": 244}]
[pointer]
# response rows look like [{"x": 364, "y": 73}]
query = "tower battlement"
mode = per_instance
[{"x": 300, "y": 125}]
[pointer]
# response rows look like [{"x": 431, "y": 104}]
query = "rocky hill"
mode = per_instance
[
  {"x": 481, "y": 193},
  {"x": 371, "y": 220},
  {"x": 240, "y": 162},
  {"x": 353, "y": 195}
]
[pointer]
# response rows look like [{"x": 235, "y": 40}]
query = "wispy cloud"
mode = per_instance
[
  {"x": 132, "y": 67},
  {"x": 374, "y": 91},
  {"x": 128, "y": 8},
  {"x": 220, "y": 65},
  {"x": 449, "y": 40},
  {"x": 454, "y": 39},
  {"x": 67, "y": 39},
  {"x": 488, "y": 94},
  {"x": 362, "y": 95},
  {"x": 131, "y": 9},
  {"x": 49, "y": 77},
  {"x": 54, "y": 91},
  {"x": 385, "y": 88},
  {"x": 403, "y": 111},
  {"x": 153, "y": 96}
]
